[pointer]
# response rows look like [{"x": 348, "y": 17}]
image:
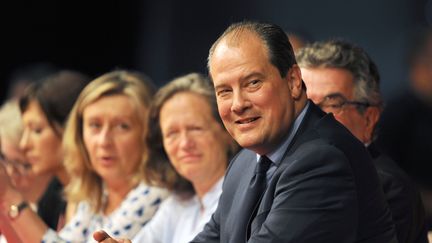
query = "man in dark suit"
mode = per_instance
[
  {"x": 321, "y": 185},
  {"x": 314, "y": 181},
  {"x": 342, "y": 79}
]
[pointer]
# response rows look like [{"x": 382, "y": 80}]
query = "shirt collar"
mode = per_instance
[
  {"x": 212, "y": 196},
  {"x": 276, "y": 155}
]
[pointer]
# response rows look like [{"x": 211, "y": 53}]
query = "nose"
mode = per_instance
[
  {"x": 240, "y": 103},
  {"x": 186, "y": 141},
  {"x": 105, "y": 138},
  {"x": 24, "y": 142}
]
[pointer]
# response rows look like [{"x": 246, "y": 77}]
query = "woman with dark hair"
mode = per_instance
[
  {"x": 18, "y": 169},
  {"x": 44, "y": 107}
]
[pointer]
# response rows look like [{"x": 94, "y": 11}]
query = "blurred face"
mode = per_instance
[
  {"x": 39, "y": 142},
  {"x": 112, "y": 133},
  {"x": 255, "y": 103},
  {"x": 17, "y": 167},
  {"x": 322, "y": 83},
  {"x": 421, "y": 72},
  {"x": 195, "y": 142}
]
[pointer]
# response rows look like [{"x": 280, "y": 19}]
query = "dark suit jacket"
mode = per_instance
[
  {"x": 405, "y": 131},
  {"x": 326, "y": 189},
  {"x": 403, "y": 198}
]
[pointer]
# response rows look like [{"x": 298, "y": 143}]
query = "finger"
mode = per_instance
[
  {"x": 124, "y": 241},
  {"x": 100, "y": 236}
]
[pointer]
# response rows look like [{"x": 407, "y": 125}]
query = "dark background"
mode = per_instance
[{"x": 169, "y": 38}]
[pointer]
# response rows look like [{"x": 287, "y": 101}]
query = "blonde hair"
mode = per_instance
[
  {"x": 86, "y": 184},
  {"x": 11, "y": 127}
]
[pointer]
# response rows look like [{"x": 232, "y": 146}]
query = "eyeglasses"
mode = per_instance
[{"x": 335, "y": 103}]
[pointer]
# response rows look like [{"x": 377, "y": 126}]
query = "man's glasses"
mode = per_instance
[{"x": 335, "y": 103}]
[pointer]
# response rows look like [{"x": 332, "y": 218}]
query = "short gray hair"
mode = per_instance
[{"x": 345, "y": 55}]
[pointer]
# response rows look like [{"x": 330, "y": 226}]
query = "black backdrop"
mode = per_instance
[{"x": 168, "y": 38}]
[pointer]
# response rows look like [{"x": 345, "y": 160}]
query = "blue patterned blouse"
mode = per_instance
[{"x": 134, "y": 212}]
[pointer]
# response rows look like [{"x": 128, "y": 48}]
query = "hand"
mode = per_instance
[{"x": 102, "y": 236}]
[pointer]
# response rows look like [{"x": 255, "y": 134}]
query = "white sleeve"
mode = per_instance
[{"x": 161, "y": 227}]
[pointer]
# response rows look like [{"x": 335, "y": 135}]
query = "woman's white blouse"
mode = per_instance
[
  {"x": 179, "y": 221},
  {"x": 135, "y": 211}
]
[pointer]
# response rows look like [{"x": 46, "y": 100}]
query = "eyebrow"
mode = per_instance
[
  {"x": 334, "y": 95},
  {"x": 242, "y": 79},
  {"x": 249, "y": 76}
]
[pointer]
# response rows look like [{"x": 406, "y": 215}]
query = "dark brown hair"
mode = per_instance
[{"x": 56, "y": 95}]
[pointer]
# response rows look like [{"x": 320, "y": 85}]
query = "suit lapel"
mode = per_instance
[
  {"x": 312, "y": 116},
  {"x": 304, "y": 133}
]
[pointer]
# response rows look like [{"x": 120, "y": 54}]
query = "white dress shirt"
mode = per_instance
[{"x": 179, "y": 221}]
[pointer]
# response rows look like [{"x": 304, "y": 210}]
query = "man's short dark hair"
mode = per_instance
[{"x": 280, "y": 51}]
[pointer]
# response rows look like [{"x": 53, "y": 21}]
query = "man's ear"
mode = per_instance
[
  {"x": 295, "y": 82},
  {"x": 372, "y": 114}
]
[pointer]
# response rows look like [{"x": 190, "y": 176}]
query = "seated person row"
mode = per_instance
[
  {"x": 189, "y": 154},
  {"x": 302, "y": 176},
  {"x": 104, "y": 148}
]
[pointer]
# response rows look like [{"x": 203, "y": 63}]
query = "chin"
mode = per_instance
[
  {"x": 40, "y": 171},
  {"x": 246, "y": 142},
  {"x": 37, "y": 170},
  {"x": 190, "y": 174}
]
